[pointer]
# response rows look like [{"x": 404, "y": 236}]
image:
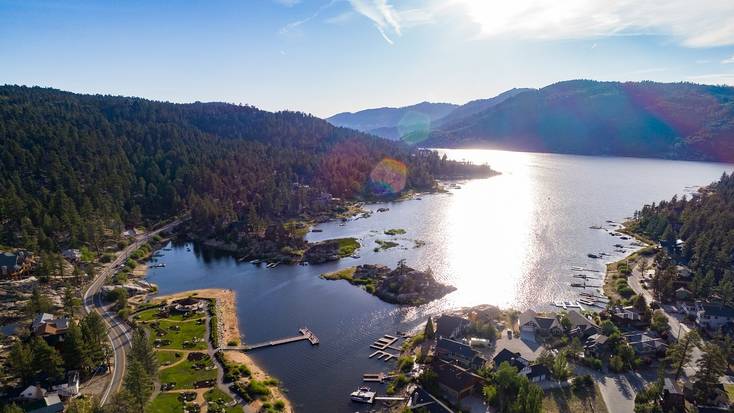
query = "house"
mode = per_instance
[
  {"x": 70, "y": 389},
  {"x": 33, "y": 393},
  {"x": 422, "y": 401},
  {"x": 683, "y": 294},
  {"x": 454, "y": 381},
  {"x": 188, "y": 305},
  {"x": 672, "y": 399},
  {"x": 538, "y": 373},
  {"x": 52, "y": 329},
  {"x": 73, "y": 255},
  {"x": 626, "y": 315},
  {"x": 13, "y": 264},
  {"x": 713, "y": 316},
  {"x": 580, "y": 325},
  {"x": 596, "y": 345},
  {"x": 534, "y": 323},
  {"x": 645, "y": 345},
  {"x": 513, "y": 359},
  {"x": 52, "y": 404},
  {"x": 451, "y": 326},
  {"x": 459, "y": 353}
]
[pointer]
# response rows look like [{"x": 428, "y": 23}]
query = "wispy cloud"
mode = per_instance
[
  {"x": 706, "y": 23},
  {"x": 727, "y": 61},
  {"x": 382, "y": 14},
  {"x": 714, "y": 78},
  {"x": 287, "y": 3},
  {"x": 295, "y": 25}
]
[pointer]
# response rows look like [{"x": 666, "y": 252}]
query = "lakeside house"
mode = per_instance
[
  {"x": 459, "y": 353},
  {"x": 581, "y": 326},
  {"x": 596, "y": 345},
  {"x": 49, "y": 327},
  {"x": 422, "y": 401},
  {"x": 454, "y": 381},
  {"x": 532, "y": 323},
  {"x": 713, "y": 316},
  {"x": 536, "y": 373},
  {"x": 644, "y": 345},
  {"x": 626, "y": 315},
  {"x": 451, "y": 326},
  {"x": 72, "y": 255}
]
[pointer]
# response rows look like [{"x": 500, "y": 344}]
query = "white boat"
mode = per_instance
[{"x": 363, "y": 395}]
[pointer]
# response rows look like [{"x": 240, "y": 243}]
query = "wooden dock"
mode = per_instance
[
  {"x": 383, "y": 355},
  {"x": 305, "y": 335},
  {"x": 376, "y": 377},
  {"x": 385, "y": 342}
]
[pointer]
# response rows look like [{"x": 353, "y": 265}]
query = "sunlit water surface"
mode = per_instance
[{"x": 510, "y": 240}]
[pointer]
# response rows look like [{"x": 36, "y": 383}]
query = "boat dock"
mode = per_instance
[
  {"x": 385, "y": 342},
  {"x": 305, "y": 334},
  {"x": 389, "y": 399},
  {"x": 383, "y": 355},
  {"x": 376, "y": 377}
]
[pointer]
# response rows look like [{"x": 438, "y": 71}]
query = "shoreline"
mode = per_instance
[
  {"x": 228, "y": 330},
  {"x": 611, "y": 274}
]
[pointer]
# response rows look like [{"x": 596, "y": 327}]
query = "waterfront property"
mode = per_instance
[
  {"x": 459, "y": 353},
  {"x": 713, "y": 316},
  {"x": 451, "y": 326},
  {"x": 532, "y": 323}
]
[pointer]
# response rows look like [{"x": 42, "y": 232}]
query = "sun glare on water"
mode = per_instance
[{"x": 482, "y": 226}]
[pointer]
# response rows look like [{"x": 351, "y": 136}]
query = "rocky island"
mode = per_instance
[{"x": 403, "y": 285}]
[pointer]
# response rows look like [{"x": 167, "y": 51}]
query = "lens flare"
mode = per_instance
[
  {"x": 414, "y": 127},
  {"x": 388, "y": 177}
]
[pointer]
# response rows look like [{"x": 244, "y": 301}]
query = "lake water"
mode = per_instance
[{"x": 509, "y": 240}]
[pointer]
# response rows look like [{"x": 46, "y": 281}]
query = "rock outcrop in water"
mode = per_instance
[{"x": 403, "y": 285}]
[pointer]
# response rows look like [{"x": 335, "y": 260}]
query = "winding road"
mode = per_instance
[{"x": 119, "y": 331}]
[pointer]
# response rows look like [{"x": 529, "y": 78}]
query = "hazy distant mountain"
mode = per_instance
[
  {"x": 646, "y": 119},
  {"x": 391, "y": 123},
  {"x": 476, "y": 106}
]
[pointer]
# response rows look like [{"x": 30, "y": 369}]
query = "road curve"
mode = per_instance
[{"x": 118, "y": 331}]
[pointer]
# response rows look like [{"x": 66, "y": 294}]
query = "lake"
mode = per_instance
[{"x": 510, "y": 240}]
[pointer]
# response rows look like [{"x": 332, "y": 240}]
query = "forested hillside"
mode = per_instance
[
  {"x": 74, "y": 166},
  {"x": 645, "y": 119},
  {"x": 392, "y": 123},
  {"x": 705, "y": 223}
]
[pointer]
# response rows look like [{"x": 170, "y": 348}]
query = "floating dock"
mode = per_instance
[
  {"x": 385, "y": 342},
  {"x": 376, "y": 377},
  {"x": 383, "y": 355},
  {"x": 305, "y": 335}
]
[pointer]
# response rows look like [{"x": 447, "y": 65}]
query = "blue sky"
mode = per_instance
[{"x": 328, "y": 56}]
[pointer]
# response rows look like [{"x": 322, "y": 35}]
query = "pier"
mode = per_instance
[
  {"x": 305, "y": 335},
  {"x": 384, "y": 343},
  {"x": 376, "y": 377},
  {"x": 383, "y": 355}
]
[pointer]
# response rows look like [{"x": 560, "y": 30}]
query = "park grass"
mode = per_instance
[
  {"x": 167, "y": 357},
  {"x": 184, "y": 374},
  {"x": 217, "y": 397},
  {"x": 189, "y": 330},
  {"x": 166, "y": 403},
  {"x": 566, "y": 400},
  {"x": 149, "y": 315}
]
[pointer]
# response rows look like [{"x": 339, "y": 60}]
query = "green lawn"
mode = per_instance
[
  {"x": 167, "y": 357},
  {"x": 184, "y": 375},
  {"x": 217, "y": 401},
  {"x": 149, "y": 315},
  {"x": 569, "y": 401},
  {"x": 166, "y": 403},
  {"x": 188, "y": 331}
]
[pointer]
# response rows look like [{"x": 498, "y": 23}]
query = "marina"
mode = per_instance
[{"x": 305, "y": 334}]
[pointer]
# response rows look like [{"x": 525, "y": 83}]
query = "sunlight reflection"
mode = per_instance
[{"x": 503, "y": 231}]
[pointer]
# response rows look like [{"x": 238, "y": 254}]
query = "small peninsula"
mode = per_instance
[{"x": 403, "y": 285}]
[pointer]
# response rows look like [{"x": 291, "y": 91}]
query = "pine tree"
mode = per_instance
[
  {"x": 711, "y": 366},
  {"x": 73, "y": 350},
  {"x": 20, "y": 360},
  {"x": 142, "y": 351},
  {"x": 138, "y": 385},
  {"x": 430, "y": 333},
  {"x": 681, "y": 352},
  {"x": 47, "y": 361}
]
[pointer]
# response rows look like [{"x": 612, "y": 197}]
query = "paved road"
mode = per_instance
[
  {"x": 118, "y": 330},
  {"x": 677, "y": 327}
]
